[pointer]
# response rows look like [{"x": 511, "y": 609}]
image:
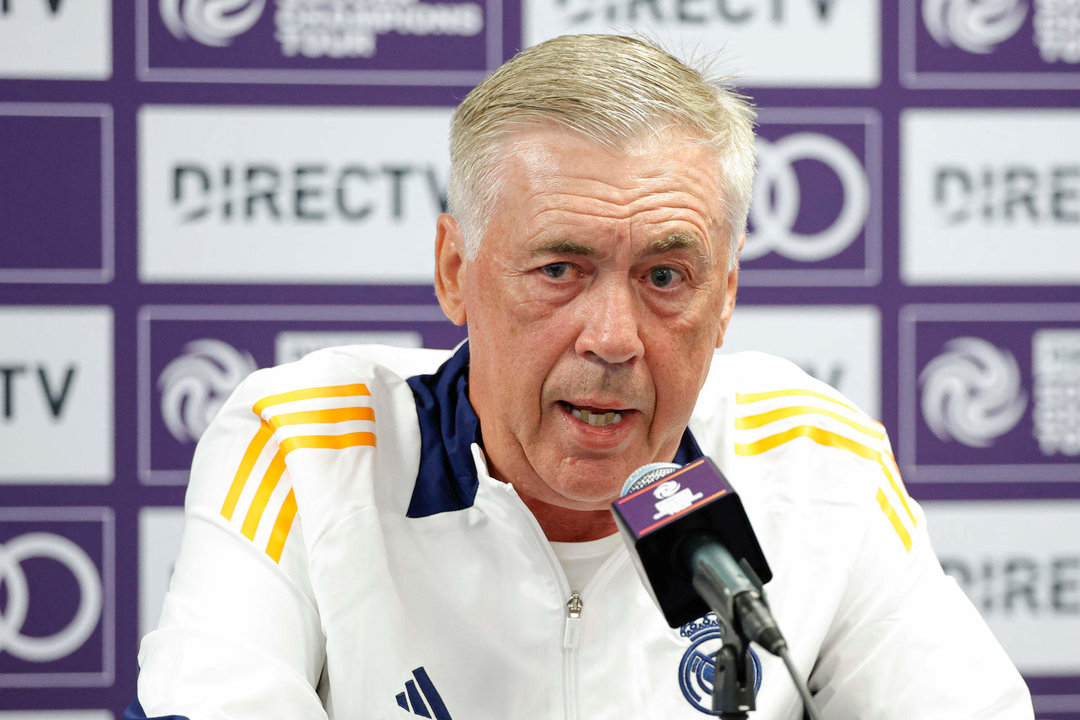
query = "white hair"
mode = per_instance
[{"x": 610, "y": 89}]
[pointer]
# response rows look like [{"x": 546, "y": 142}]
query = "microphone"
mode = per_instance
[{"x": 695, "y": 549}]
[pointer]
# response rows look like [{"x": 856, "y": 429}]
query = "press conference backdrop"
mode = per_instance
[{"x": 190, "y": 190}]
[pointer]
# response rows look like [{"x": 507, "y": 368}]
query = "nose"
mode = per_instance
[{"x": 610, "y": 324}]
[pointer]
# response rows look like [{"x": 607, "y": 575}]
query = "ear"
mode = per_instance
[
  {"x": 450, "y": 268},
  {"x": 729, "y": 298}
]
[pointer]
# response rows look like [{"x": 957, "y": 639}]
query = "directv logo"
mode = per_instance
[{"x": 421, "y": 698}]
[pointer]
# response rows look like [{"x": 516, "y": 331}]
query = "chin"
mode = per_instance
[{"x": 589, "y": 498}]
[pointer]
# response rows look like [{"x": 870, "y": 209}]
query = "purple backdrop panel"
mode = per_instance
[
  {"x": 990, "y": 392},
  {"x": 418, "y": 41},
  {"x": 815, "y": 216},
  {"x": 1016, "y": 43},
  {"x": 57, "y": 566},
  {"x": 192, "y": 358},
  {"x": 56, "y": 214}
]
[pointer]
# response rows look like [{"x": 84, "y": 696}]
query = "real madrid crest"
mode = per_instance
[{"x": 698, "y": 666}]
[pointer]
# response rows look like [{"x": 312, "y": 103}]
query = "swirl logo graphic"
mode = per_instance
[
  {"x": 67, "y": 639},
  {"x": 666, "y": 490},
  {"x": 971, "y": 392},
  {"x": 777, "y": 199},
  {"x": 977, "y": 26},
  {"x": 195, "y": 385},
  {"x": 698, "y": 666},
  {"x": 211, "y": 22}
]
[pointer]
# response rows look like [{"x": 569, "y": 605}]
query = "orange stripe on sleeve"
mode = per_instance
[
  {"x": 309, "y": 393},
  {"x": 251, "y": 455},
  {"x": 262, "y": 495},
  {"x": 330, "y": 415},
  {"x": 886, "y": 508},
  {"x": 281, "y": 527},
  {"x": 327, "y": 442}
]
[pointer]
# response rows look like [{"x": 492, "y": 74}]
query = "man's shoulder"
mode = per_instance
[
  {"x": 373, "y": 366},
  {"x": 756, "y": 404},
  {"x": 748, "y": 375}
]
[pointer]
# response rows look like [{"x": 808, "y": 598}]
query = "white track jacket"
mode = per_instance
[{"x": 347, "y": 555}]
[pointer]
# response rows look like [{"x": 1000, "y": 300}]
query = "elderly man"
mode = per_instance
[{"x": 375, "y": 532}]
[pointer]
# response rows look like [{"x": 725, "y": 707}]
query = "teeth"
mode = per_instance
[{"x": 596, "y": 419}]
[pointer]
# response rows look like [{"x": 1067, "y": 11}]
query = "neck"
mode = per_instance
[{"x": 565, "y": 525}]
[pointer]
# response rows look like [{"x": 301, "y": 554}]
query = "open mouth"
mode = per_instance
[{"x": 594, "y": 416}]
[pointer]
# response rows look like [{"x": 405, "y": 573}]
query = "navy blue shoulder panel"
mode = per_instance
[
  {"x": 134, "y": 711},
  {"x": 688, "y": 450},
  {"x": 449, "y": 426}
]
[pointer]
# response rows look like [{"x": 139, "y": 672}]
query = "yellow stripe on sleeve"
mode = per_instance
[
  {"x": 262, "y": 495},
  {"x": 830, "y": 439},
  {"x": 331, "y": 415},
  {"x": 751, "y": 422},
  {"x": 251, "y": 455},
  {"x": 281, "y": 527},
  {"x": 811, "y": 432},
  {"x": 888, "y": 465},
  {"x": 887, "y": 508},
  {"x": 746, "y": 398},
  {"x": 310, "y": 393}
]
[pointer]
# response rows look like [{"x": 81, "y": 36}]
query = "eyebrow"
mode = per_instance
[
  {"x": 676, "y": 241},
  {"x": 669, "y": 243},
  {"x": 564, "y": 247}
]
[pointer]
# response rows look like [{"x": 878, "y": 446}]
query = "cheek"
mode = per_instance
[{"x": 680, "y": 356}]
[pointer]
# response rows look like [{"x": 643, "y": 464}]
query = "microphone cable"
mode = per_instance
[{"x": 809, "y": 706}]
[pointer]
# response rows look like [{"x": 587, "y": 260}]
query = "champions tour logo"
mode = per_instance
[
  {"x": 321, "y": 28},
  {"x": 698, "y": 667}
]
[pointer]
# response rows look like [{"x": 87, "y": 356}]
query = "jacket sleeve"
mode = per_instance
[
  {"x": 906, "y": 642},
  {"x": 239, "y": 635}
]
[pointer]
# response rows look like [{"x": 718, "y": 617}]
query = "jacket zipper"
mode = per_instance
[
  {"x": 573, "y": 621},
  {"x": 575, "y": 605},
  {"x": 571, "y": 638}
]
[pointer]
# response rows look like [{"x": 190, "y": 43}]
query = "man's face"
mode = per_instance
[{"x": 599, "y": 293}]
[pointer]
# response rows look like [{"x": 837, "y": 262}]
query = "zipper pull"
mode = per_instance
[{"x": 573, "y": 621}]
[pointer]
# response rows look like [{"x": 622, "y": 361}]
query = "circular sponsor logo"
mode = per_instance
[
  {"x": 67, "y": 639},
  {"x": 195, "y": 385},
  {"x": 778, "y": 198},
  {"x": 976, "y": 26},
  {"x": 971, "y": 393}
]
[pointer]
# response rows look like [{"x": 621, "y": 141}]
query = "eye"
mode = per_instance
[
  {"x": 557, "y": 270},
  {"x": 663, "y": 276}
]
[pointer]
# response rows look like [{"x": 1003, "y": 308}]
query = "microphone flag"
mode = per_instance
[{"x": 657, "y": 520}]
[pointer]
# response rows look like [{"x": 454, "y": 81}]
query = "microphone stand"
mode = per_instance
[
  {"x": 733, "y": 682},
  {"x": 733, "y": 690}
]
